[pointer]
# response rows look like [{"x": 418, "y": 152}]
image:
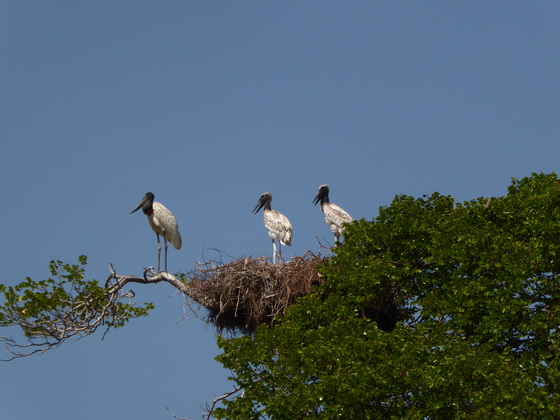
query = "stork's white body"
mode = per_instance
[
  {"x": 277, "y": 225},
  {"x": 335, "y": 217},
  {"x": 162, "y": 223}
]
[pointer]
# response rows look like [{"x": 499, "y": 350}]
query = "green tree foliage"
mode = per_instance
[
  {"x": 64, "y": 306},
  {"x": 435, "y": 309}
]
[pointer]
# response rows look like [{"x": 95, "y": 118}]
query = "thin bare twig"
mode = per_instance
[{"x": 212, "y": 407}]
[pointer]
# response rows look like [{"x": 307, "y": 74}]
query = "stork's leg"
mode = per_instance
[
  {"x": 274, "y": 253},
  {"x": 337, "y": 233},
  {"x": 279, "y": 252},
  {"x": 158, "y": 252},
  {"x": 165, "y": 256}
]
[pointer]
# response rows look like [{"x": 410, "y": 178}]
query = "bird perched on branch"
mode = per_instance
[
  {"x": 334, "y": 215},
  {"x": 276, "y": 223},
  {"x": 162, "y": 222}
]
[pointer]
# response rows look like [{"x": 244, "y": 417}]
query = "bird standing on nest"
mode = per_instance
[
  {"x": 334, "y": 215},
  {"x": 276, "y": 223}
]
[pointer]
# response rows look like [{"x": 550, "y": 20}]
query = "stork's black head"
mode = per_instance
[
  {"x": 264, "y": 201},
  {"x": 322, "y": 195},
  {"x": 146, "y": 203}
]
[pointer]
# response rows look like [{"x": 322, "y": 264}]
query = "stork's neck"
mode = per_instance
[
  {"x": 324, "y": 199},
  {"x": 148, "y": 208},
  {"x": 267, "y": 205}
]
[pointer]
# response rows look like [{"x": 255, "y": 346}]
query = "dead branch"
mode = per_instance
[
  {"x": 210, "y": 408},
  {"x": 149, "y": 277},
  {"x": 172, "y": 414}
]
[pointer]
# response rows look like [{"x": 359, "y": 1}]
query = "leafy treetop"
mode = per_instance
[{"x": 434, "y": 309}]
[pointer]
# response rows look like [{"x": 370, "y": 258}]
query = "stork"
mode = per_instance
[
  {"x": 276, "y": 223},
  {"x": 334, "y": 215},
  {"x": 162, "y": 222}
]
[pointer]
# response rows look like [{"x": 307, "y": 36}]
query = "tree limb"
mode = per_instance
[
  {"x": 149, "y": 277},
  {"x": 50, "y": 312}
]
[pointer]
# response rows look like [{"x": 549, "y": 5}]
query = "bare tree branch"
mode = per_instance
[
  {"x": 212, "y": 406},
  {"x": 175, "y": 416},
  {"x": 149, "y": 277}
]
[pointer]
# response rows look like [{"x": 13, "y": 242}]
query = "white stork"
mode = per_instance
[
  {"x": 162, "y": 222},
  {"x": 276, "y": 223},
  {"x": 334, "y": 215}
]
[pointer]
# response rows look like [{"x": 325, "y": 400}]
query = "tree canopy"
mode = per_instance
[{"x": 434, "y": 309}]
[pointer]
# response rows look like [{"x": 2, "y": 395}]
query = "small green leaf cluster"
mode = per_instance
[{"x": 434, "y": 309}]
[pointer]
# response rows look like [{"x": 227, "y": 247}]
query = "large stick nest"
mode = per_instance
[{"x": 248, "y": 292}]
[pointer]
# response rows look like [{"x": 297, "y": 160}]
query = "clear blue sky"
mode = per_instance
[{"x": 210, "y": 103}]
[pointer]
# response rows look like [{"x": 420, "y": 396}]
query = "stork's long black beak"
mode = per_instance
[
  {"x": 140, "y": 204},
  {"x": 317, "y": 198},
  {"x": 259, "y": 206}
]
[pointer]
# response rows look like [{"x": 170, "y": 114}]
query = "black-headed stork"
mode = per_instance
[
  {"x": 334, "y": 215},
  {"x": 162, "y": 222},
  {"x": 276, "y": 223}
]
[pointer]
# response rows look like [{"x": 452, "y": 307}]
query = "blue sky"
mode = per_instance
[{"x": 208, "y": 105}]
